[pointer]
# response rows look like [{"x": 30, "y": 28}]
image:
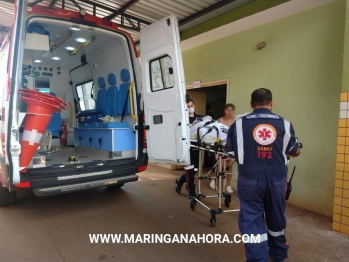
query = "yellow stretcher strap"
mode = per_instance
[{"x": 131, "y": 101}]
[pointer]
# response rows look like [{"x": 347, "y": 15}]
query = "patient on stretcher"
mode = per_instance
[{"x": 208, "y": 130}]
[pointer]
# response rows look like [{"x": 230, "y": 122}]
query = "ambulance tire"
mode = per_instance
[{"x": 7, "y": 198}]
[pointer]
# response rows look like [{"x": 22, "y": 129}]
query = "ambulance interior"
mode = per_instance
[{"x": 91, "y": 70}]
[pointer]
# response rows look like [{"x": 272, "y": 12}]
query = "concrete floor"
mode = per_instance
[{"x": 56, "y": 228}]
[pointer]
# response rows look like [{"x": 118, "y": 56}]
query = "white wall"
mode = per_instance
[
  {"x": 59, "y": 84},
  {"x": 111, "y": 58}
]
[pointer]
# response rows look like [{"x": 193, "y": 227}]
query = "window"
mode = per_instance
[
  {"x": 161, "y": 73},
  {"x": 86, "y": 94}
]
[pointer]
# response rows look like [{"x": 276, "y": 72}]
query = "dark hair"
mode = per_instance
[
  {"x": 190, "y": 100},
  {"x": 261, "y": 97},
  {"x": 229, "y": 105},
  {"x": 187, "y": 98}
]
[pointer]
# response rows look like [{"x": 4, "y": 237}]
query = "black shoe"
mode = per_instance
[
  {"x": 192, "y": 195},
  {"x": 179, "y": 185},
  {"x": 271, "y": 259},
  {"x": 192, "y": 192}
]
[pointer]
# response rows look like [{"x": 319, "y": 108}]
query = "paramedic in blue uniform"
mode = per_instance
[
  {"x": 190, "y": 171},
  {"x": 261, "y": 142}
]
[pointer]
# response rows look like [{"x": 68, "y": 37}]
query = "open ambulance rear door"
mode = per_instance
[
  {"x": 15, "y": 68},
  {"x": 163, "y": 85}
]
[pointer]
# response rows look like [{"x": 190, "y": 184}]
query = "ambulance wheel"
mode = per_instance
[
  {"x": 213, "y": 221},
  {"x": 227, "y": 202},
  {"x": 193, "y": 205},
  {"x": 7, "y": 198}
]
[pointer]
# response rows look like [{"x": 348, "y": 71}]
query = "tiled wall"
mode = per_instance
[{"x": 341, "y": 191}]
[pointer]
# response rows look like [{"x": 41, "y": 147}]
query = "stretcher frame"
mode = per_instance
[{"x": 216, "y": 148}]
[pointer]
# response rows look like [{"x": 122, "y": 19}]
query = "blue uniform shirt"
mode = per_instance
[{"x": 261, "y": 141}]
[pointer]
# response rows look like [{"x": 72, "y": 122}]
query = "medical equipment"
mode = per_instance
[
  {"x": 289, "y": 185},
  {"x": 219, "y": 168}
]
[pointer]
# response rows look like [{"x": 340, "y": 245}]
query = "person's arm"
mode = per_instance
[
  {"x": 229, "y": 146},
  {"x": 292, "y": 149}
]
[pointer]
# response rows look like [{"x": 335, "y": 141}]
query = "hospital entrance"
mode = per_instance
[{"x": 210, "y": 98}]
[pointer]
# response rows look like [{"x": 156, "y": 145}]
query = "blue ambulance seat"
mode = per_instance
[
  {"x": 102, "y": 103},
  {"x": 123, "y": 90},
  {"x": 55, "y": 123},
  {"x": 113, "y": 93},
  {"x": 102, "y": 106}
]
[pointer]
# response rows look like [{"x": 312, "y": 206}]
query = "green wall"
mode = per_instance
[
  {"x": 235, "y": 14},
  {"x": 345, "y": 82},
  {"x": 302, "y": 64}
]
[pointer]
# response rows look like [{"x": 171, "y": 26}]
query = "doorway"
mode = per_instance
[{"x": 209, "y": 100}]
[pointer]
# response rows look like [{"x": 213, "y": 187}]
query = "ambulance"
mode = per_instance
[{"x": 79, "y": 110}]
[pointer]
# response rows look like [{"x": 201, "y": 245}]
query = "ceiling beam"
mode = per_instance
[
  {"x": 76, "y": 4},
  {"x": 53, "y": 3},
  {"x": 121, "y": 9},
  {"x": 34, "y": 3},
  {"x": 205, "y": 11},
  {"x": 128, "y": 5},
  {"x": 115, "y": 11}
]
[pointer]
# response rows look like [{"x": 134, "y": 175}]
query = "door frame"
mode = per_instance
[{"x": 224, "y": 81}]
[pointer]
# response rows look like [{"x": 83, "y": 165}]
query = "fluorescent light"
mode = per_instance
[
  {"x": 56, "y": 58},
  {"x": 70, "y": 48},
  {"x": 81, "y": 40},
  {"x": 37, "y": 61},
  {"x": 75, "y": 28}
]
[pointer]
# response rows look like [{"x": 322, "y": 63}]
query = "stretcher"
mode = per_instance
[{"x": 219, "y": 169}]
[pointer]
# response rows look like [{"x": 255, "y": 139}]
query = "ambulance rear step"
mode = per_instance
[{"x": 47, "y": 191}]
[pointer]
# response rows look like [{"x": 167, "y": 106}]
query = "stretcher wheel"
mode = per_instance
[
  {"x": 213, "y": 221},
  {"x": 192, "y": 205}
]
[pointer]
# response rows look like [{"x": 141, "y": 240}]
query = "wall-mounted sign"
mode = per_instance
[{"x": 197, "y": 84}]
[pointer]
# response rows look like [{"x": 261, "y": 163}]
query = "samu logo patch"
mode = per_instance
[{"x": 264, "y": 134}]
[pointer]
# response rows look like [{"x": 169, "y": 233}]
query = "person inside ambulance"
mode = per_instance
[
  {"x": 191, "y": 170},
  {"x": 262, "y": 142}
]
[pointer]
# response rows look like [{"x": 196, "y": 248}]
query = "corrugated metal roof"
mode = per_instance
[
  {"x": 6, "y": 14},
  {"x": 148, "y": 10}
]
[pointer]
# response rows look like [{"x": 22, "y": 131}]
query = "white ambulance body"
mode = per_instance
[{"x": 119, "y": 112}]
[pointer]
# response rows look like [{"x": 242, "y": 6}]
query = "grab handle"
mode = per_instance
[
  {"x": 131, "y": 101},
  {"x": 71, "y": 114}
]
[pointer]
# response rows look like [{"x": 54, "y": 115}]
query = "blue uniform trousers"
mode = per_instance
[{"x": 262, "y": 198}]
